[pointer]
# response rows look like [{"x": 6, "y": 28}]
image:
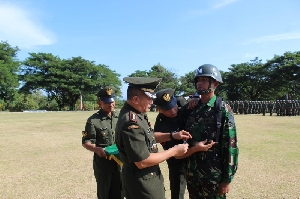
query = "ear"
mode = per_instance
[
  {"x": 216, "y": 83},
  {"x": 135, "y": 99}
]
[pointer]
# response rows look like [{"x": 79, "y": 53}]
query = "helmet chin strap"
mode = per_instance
[{"x": 205, "y": 91}]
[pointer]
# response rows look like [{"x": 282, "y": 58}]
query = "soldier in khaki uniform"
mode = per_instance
[
  {"x": 99, "y": 133},
  {"x": 137, "y": 144}
]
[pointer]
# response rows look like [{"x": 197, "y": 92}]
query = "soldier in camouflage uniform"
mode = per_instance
[
  {"x": 263, "y": 108},
  {"x": 210, "y": 173},
  {"x": 271, "y": 106}
]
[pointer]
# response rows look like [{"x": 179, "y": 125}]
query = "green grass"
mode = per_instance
[{"x": 41, "y": 157}]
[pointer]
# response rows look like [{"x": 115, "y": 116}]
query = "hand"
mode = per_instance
[
  {"x": 224, "y": 188},
  {"x": 182, "y": 135},
  {"x": 100, "y": 151},
  {"x": 193, "y": 103},
  {"x": 180, "y": 149},
  {"x": 202, "y": 146}
]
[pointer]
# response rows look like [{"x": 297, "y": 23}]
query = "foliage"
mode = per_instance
[
  {"x": 9, "y": 67},
  {"x": 51, "y": 83},
  {"x": 247, "y": 81},
  {"x": 285, "y": 74},
  {"x": 24, "y": 102},
  {"x": 169, "y": 78},
  {"x": 65, "y": 80},
  {"x": 187, "y": 86}
]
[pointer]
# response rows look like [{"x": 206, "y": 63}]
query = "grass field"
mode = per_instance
[{"x": 42, "y": 157}]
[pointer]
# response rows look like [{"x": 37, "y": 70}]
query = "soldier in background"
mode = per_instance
[
  {"x": 241, "y": 107},
  {"x": 271, "y": 106},
  {"x": 282, "y": 108},
  {"x": 263, "y": 108},
  {"x": 277, "y": 107},
  {"x": 289, "y": 108},
  {"x": 99, "y": 133},
  {"x": 246, "y": 107}
]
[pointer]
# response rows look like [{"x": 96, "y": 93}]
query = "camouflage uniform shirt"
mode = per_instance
[{"x": 206, "y": 170}]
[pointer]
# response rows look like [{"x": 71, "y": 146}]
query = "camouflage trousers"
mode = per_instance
[{"x": 203, "y": 189}]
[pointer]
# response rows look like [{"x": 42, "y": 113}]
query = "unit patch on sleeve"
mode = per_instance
[{"x": 133, "y": 117}]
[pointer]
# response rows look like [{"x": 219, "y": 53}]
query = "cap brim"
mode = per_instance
[
  {"x": 152, "y": 95},
  {"x": 107, "y": 99}
]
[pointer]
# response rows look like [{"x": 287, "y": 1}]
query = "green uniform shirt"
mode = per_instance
[
  {"x": 135, "y": 141},
  {"x": 100, "y": 130},
  {"x": 206, "y": 170}
]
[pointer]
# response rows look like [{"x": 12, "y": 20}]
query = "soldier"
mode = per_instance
[
  {"x": 210, "y": 173},
  {"x": 271, "y": 106},
  {"x": 277, "y": 107},
  {"x": 167, "y": 121},
  {"x": 241, "y": 107},
  {"x": 99, "y": 133},
  {"x": 246, "y": 107},
  {"x": 263, "y": 108},
  {"x": 137, "y": 144}
]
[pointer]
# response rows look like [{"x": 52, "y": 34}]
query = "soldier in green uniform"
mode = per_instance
[
  {"x": 210, "y": 173},
  {"x": 137, "y": 144},
  {"x": 99, "y": 133}
]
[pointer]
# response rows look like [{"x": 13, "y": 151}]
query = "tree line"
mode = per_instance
[{"x": 46, "y": 81}]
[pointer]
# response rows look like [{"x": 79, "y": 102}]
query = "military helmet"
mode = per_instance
[{"x": 208, "y": 70}]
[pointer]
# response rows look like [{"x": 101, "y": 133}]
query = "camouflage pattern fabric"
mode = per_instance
[{"x": 206, "y": 170}]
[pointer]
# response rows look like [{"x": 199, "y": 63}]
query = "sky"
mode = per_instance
[{"x": 130, "y": 35}]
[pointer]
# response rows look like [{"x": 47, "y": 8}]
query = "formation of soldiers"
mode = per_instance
[{"x": 280, "y": 107}]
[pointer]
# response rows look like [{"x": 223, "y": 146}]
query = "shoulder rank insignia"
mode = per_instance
[
  {"x": 84, "y": 134},
  {"x": 133, "y": 127},
  {"x": 132, "y": 117}
]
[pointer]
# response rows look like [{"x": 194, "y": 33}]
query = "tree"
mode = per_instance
[
  {"x": 65, "y": 80},
  {"x": 9, "y": 67},
  {"x": 285, "y": 74},
  {"x": 169, "y": 78},
  {"x": 187, "y": 85},
  {"x": 247, "y": 81}
]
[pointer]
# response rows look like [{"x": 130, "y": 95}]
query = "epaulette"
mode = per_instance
[{"x": 133, "y": 117}]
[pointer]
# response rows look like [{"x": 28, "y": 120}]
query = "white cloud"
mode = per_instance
[
  {"x": 223, "y": 3},
  {"x": 279, "y": 37},
  {"x": 217, "y": 5},
  {"x": 249, "y": 55},
  {"x": 18, "y": 27}
]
